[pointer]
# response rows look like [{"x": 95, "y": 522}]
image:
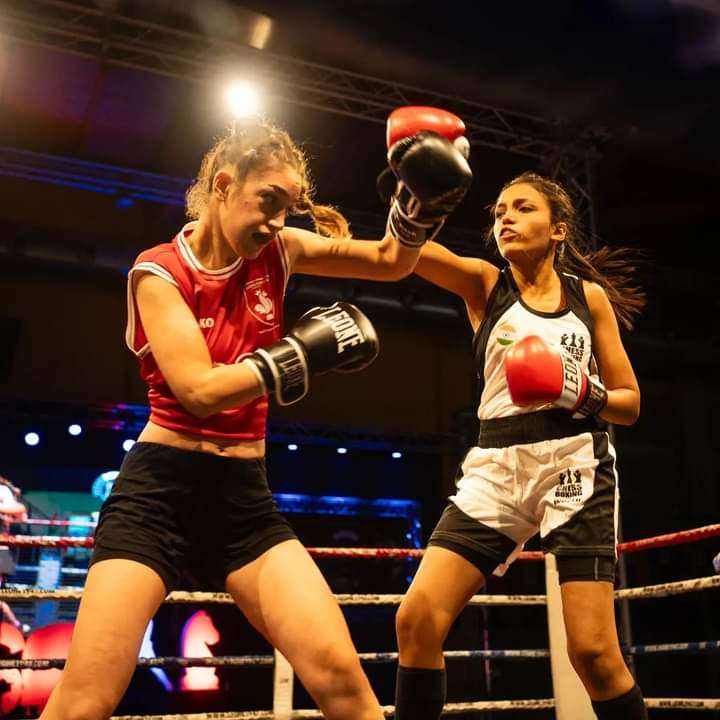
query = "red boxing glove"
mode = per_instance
[
  {"x": 410, "y": 120},
  {"x": 537, "y": 374}
]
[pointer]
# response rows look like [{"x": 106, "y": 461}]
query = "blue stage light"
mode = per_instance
[
  {"x": 124, "y": 202},
  {"x": 32, "y": 439},
  {"x": 74, "y": 429}
]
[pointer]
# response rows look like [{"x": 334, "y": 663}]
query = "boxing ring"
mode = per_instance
[{"x": 565, "y": 682}]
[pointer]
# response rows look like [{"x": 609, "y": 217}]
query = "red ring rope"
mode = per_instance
[{"x": 676, "y": 538}]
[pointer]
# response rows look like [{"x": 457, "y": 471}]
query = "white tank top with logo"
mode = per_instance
[{"x": 508, "y": 319}]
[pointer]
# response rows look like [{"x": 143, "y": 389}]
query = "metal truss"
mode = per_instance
[
  {"x": 575, "y": 171},
  {"x": 128, "y": 184},
  {"x": 130, "y": 42},
  {"x": 96, "y": 177}
]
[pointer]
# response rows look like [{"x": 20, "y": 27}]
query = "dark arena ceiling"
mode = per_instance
[{"x": 617, "y": 97}]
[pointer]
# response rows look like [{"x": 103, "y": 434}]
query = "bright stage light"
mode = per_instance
[
  {"x": 32, "y": 439},
  {"x": 127, "y": 444},
  {"x": 74, "y": 429},
  {"x": 397, "y": 455},
  {"x": 242, "y": 99},
  {"x": 342, "y": 451},
  {"x": 292, "y": 446}
]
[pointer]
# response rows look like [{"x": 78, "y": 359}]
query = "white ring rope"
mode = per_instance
[
  {"x": 266, "y": 660},
  {"x": 683, "y": 703},
  {"x": 367, "y": 657},
  {"x": 143, "y": 662},
  {"x": 700, "y": 646},
  {"x": 388, "y": 710},
  {"x": 450, "y": 709},
  {"x": 475, "y": 600},
  {"x": 29, "y": 592},
  {"x": 666, "y": 589}
]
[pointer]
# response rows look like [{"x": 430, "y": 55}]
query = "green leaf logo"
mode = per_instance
[{"x": 506, "y": 334}]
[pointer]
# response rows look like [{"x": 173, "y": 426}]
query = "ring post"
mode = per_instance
[
  {"x": 571, "y": 700},
  {"x": 282, "y": 688}
]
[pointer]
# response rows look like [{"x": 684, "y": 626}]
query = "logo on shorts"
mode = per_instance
[
  {"x": 573, "y": 344},
  {"x": 259, "y": 300},
  {"x": 569, "y": 487},
  {"x": 506, "y": 334}
]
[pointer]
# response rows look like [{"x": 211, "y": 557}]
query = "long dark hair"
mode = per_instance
[{"x": 613, "y": 269}]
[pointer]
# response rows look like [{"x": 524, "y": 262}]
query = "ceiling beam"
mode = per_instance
[{"x": 152, "y": 47}]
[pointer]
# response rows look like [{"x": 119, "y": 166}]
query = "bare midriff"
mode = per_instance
[{"x": 229, "y": 447}]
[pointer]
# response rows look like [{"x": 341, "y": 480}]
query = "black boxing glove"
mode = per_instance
[
  {"x": 427, "y": 154},
  {"x": 339, "y": 337}
]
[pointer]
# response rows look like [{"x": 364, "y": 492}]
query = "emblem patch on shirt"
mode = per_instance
[
  {"x": 506, "y": 334},
  {"x": 573, "y": 344},
  {"x": 258, "y": 298}
]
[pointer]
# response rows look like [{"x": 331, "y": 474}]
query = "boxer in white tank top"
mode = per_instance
[{"x": 553, "y": 373}]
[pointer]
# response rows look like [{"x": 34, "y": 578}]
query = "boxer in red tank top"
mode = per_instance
[{"x": 205, "y": 322}]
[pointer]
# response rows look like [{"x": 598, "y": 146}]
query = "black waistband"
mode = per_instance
[
  {"x": 172, "y": 464},
  {"x": 534, "y": 427}
]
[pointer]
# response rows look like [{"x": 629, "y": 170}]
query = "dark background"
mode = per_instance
[{"x": 638, "y": 80}]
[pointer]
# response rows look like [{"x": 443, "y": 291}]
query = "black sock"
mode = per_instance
[
  {"x": 419, "y": 693},
  {"x": 629, "y": 706}
]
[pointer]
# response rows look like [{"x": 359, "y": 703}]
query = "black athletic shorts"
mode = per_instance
[{"x": 193, "y": 517}]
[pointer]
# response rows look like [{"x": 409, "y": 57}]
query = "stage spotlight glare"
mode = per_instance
[
  {"x": 292, "y": 446},
  {"x": 242, "y": 100},
  {"x": 32, "y": 439},
  {"x": 342, "y": 451},
  {"x": 397, "y": 455},
  {"x": 74, "y": 429},
  {"x": 127, "y": 444}
]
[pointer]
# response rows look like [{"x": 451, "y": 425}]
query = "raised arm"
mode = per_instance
[{"x": 429, "y": 175}]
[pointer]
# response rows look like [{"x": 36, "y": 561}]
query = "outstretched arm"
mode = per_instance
[
  {"x": 385, "y": 259},
  {"x": 470, "y": 278},
  {"x": 430, "y": 174}
]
